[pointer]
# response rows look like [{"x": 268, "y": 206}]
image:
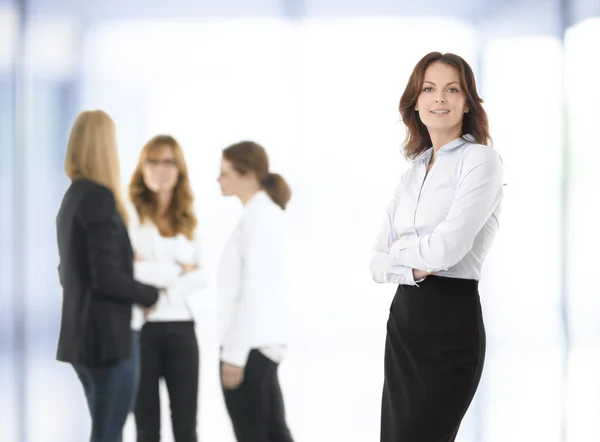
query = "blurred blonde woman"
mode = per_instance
[
  {"x": 168, "y": 253},
  {"x": 96, "y": 273}
]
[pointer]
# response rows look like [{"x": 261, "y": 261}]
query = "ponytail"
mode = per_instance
[
  {"x": 277, "y": 188},
  {"x": 248, "y": 156}
]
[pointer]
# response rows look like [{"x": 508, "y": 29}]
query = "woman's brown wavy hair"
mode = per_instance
[
  {"x": 475, "y": 122},
  {"x": 181, "y": 212}
]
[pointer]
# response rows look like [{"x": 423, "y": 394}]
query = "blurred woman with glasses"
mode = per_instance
[{"x": 167, "y": 253}]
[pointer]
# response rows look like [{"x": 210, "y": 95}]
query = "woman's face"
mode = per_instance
[
  {"x": 160, "y": 171},
  {"x": 234, "y": 183},
  {"x": 442, "y": 102},
  {"x": 230, "y": 180}
]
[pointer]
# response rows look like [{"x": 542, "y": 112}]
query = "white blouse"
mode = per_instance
[
  {"x": 444, "y": 221},
  {"x": 252, "y": 284},
  {"x": 159, "y": 267}
]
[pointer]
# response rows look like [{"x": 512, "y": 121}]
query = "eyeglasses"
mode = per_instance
[{"x": 156, "y": 162}]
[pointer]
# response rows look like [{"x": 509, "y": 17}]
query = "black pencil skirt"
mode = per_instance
[{"x": 434, "y": 353}]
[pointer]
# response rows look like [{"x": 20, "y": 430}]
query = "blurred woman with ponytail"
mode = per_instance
[{"x": 252, "y": 291}]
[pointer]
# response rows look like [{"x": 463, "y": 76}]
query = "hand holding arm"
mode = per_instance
[
  {"x": 193, "y": 275},
  {"x": 478, "y": 194},
  {"x": 382, "y": 267}
]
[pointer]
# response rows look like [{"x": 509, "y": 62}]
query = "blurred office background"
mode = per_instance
[{"x": 317, "y": 82}]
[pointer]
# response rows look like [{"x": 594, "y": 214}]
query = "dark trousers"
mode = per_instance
[
  {"x": 434, "y": 356},
  {"x": 110, "y": 393},
  {"x": 169, "y": 350},
  {"x": 256, "y": 407}
]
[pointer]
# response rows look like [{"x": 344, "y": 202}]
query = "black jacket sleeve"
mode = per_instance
[{"x": 103, "y": 229}]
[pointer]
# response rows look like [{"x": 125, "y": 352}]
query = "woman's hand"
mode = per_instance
[
  {"x": 162, "y": 291},
  {"x": 185, "y": 268},
  {"x": 419, "y": 274},
  {"x": 148, "y": 310},
  {"x": 232, "y": 376}
]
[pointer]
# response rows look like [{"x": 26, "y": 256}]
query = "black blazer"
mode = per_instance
[{"x": 96, "y": 273}]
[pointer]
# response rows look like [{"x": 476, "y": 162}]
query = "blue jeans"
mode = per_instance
[{"x": 111, "y": 393}]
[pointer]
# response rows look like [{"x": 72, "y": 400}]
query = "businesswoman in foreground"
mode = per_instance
[
  {"x": 252, "y": 291},
  {"x": 439, "y": 227},
  {"x": 96, "y": 273}
]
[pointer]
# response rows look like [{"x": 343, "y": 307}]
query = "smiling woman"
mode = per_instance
[
  {"x": 441, "y": 105},
  {"x": 441, "y": 98},
  {"x": 439, "y": 227}
]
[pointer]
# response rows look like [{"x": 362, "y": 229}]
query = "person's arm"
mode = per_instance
[
  {"x": 383, "y": 270},
  {"x": 257, "y": 241},
  {"x": 157, "y": 273},
  {"x": 478, "y": 194},
  {"x": 102, "y": 223},
  {"x": 191, "y": 280}
]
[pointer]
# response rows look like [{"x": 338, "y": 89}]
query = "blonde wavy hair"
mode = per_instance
[
  {"x": 181, "y": 213},
  {"x": 92, "y": 154}
]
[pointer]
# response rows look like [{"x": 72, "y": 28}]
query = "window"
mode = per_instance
[{"x": 521, "y": 280}]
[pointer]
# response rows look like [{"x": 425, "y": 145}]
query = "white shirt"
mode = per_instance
[
  {"x": 445, "y": 222},
  {"x": 252, "y": 284},
  {"x": 159, "y": 268}
]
